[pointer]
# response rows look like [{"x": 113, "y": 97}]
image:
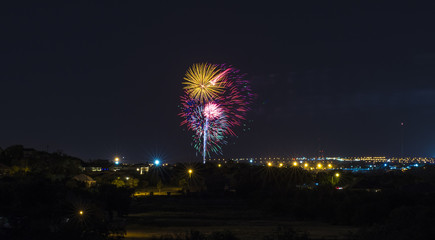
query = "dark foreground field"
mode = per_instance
[{"x": 159, "y": 216}]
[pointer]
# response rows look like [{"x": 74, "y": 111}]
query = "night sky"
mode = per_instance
[{"x": 99, "y": 79}]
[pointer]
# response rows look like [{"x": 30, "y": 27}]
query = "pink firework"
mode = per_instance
[{"x": 212, "y": 111}]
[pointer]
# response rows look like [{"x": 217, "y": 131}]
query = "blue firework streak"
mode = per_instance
[{"x": 209, "y": 134}]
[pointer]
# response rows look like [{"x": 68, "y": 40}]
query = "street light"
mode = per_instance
[
  {"x": 306, "y": 165},
  {"x": 81, "y": 213},
  {"x": 219, "y": 165},
  {"x": 319, "y": 165},
  {"x": 336, "y": 175},
  {"x": 157, "y": 162},
  {"x": 295, "y": 164},
  {"x": 190, "y": 172},
  {"x": 269, "y": 164}
]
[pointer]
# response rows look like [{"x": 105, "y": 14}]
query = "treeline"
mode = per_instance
[
  {"x": 384, "y": 205},
  {"x": 35, "y": 207},
  {"x": 19, "y": 160},
  {"x": 39, "y": 199}
]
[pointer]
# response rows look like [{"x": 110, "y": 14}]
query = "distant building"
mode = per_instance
[{"x": 85, "y": 179}]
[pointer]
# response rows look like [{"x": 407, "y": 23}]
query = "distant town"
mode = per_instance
[
  {"x": 355, "y": 164},
  {"x": 334, "y": 163}
]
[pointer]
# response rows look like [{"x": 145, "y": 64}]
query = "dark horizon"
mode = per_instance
[{"x": 97, "y": 80}]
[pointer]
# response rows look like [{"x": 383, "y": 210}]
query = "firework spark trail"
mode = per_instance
[
  {"x": 205, "y": 140},
  {"x": 218, "y": 127},
  {"x": 211, "y": 111}
]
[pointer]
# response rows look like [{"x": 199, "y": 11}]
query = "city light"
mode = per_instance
[
  {"x": 336, "y": 181},
  {"x": 219, "y": 165},
  {"x": 157, "y": 162},
  {"x": 357, "y": 164}
]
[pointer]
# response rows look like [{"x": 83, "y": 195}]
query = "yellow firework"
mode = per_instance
[{"x": 204, "y": 82}]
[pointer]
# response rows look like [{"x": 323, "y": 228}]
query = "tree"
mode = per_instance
[
  {"x": 118, "y": 182},
  {"x": 159, "y": 185},
  {"x": 132, "y": 182}
]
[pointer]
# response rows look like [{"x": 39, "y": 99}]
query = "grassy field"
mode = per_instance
[
  {"x": 160, "y": 215},
  {"x": 155, "y": 191}
]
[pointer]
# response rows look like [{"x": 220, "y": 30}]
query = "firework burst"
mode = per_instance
[
  {"x": 212, "y": 111},
  {"x": 216, "y": 100},
  {"x": 204, "y": 82}
]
